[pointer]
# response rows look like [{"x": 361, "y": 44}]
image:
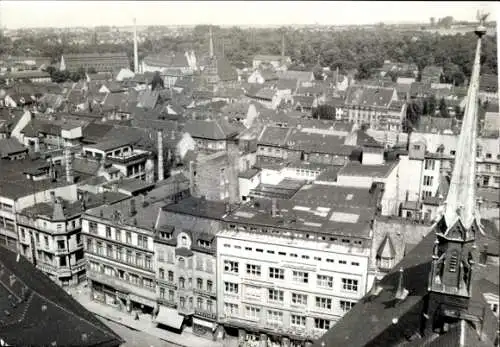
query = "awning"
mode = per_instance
[
  {"x": 169, "y": 316},
  {"x": 204, "y": 323}
]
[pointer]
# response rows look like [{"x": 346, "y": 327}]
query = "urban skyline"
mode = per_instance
[{"x": 37, "y": 14}]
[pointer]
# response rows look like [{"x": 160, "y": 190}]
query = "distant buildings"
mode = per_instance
[{"x": 106, "y": 62}]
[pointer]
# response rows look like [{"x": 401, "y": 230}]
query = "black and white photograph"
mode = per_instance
[{"x": 249, "y": 174}]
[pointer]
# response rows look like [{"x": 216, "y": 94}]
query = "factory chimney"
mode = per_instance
[
  {"x": 69, "y": 165},
  {"x": 283, "y": 44},
  {"x": 211, "y": 43},
  {"x": 136, "y": 54},
  {"x": 160, "y": 155}
]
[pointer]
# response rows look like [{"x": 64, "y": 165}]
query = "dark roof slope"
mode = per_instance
[{"x": 43, "y": 313}]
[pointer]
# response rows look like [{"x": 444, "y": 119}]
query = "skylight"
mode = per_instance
[
  {"x": 301, "y": 208},
  {"x": 344, "y": 217},
  {"x": 244, "y": 214}
]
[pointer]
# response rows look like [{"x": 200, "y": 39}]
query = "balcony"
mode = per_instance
[
  {"x": 61, "y": 251},
  {"x": 46, "y": 267},
  {"x": 204, "y": 292},
  {"x": 121, "y": 284},
  {"x": 205, "y": 314},
  {"x": 187, "y": 311}
]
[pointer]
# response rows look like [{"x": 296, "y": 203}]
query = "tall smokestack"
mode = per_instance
[
  {"x": 69, "y": 165},
  {"x": 160, "y": 155},
  {"x": 283, "y": 44},
  {"x": 136, "y": 55},
  {"x": 211, "y": 43}
]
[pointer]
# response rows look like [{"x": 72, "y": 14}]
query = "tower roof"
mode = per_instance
[{"x": 460, "y": 202}]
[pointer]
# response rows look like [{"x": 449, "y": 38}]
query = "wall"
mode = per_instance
[{"x": 21, "y": 124}]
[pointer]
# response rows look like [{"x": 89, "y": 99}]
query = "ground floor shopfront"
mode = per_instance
[{"x": 253, "y": 338}]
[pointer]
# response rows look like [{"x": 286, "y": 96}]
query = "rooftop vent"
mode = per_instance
[
  {"x": 12, "y": 280},
  {"x": 44, "y": 308}
]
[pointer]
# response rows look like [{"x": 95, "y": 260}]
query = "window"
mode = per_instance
[
  {"x": 275, "y": 295},
  {"x": 109, "y": 251},
  {"x": 252, "y": 312},
  {"x": 199, "y": 303},
  {"x": 171, "y": 295},
  {"x": 46, "y": 241},
  {"x": 230, "y": 309},
  {"x": 453, "y": 152},
  {"x": 99, "y": 248},
  {"x": 108, "y": 232},
  {"x": 170, "y": 276},
  {"x": 118, "y": 235},
  {"x": 129, "y": 256},
  {"x": 182, "y": 302},
  {"x": 142, "y": 241},
  {"x": 299, "y": 299},
  {"x": 182, "y": 263},
  {"x": 428, "y": 180},
  {"x": 162, "y": 293},
  {"x": 210, "y": 306},
  {"x": 349, "y": 284},
  {"x": 343, "y": 262},
  {"x": 161, "y": 256},
  {"x": 138, "y": 259},
  {"x": 147, "y": 282},
  {"x": 182, "y": 282},
  {"x": 230, "y": 287},
  {"x": 147, "y": 262},
  {"x": 324, "y": 303},
  {"x": 430, "y": 164},
  {"x": 276, "y": 273},
  {"x": 298, "y": 320},
  {"x": 274, "y": 316},
  {"x": 93, "y": 227},
  {"x": 300, "y": 276},
  {"x": 231, "y": 266},
  {"x": 324, "y": 281},
  {"x": 253, "y": 270},
  {"x": 129, "y": 237},
  {"x": 320, "y": 323},
  {"x": 416, "y": 147},
  {"x": 161, "y": 273},
  {"x": 453, "y": 261},
  {"x": 346, "y": 305},
  {"x": 354, "y": 263},
  {"x": 486, "y": 180}
]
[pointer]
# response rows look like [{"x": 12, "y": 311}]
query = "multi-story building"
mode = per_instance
[
  {"x": 131, "y": 162},
  {"x": 49, "y": 235},
  {"x": 106, "y": 62},
  {"x": 289, "y": 272},
  {"x": 185, "y": 249},
  {"x": 118, "y": 243}
]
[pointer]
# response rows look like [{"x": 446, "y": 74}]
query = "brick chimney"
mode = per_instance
[{"x": 161, "y": 174}]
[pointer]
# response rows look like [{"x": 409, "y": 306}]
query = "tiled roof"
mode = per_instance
[
  {"x": 488, "y": 82},
  {"x": 284, "y": 84},
  {"x": 101, "y": 62},
  {"x": 210, "y": 129},
  {"x": 41, "y": 313},
  {"x": 367, "y": 96},
  {"x": 274, "y": 136},
  {"x": 301, "y": 76},
  {"x": 316, "y": 143},
  {"x": 94, "y": 132},
  {"x": 357, "y": 169},
  {"x": 148, "y": 99},
  {"x": 10, "y": 146}
]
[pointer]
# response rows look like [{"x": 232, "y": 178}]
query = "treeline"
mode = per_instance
[{"x": 362, "y": 49}]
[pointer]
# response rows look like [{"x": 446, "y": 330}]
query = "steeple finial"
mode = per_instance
[{"x": 461, "y": 199}]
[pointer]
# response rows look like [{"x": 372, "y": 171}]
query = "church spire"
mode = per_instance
[{"x": 460, "y": 202}]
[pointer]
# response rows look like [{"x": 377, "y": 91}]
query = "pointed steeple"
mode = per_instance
[
  {"x": 211, "y": 44},
  {"x": 62, "y": 65},
  {"x": 461, "y": 200}
]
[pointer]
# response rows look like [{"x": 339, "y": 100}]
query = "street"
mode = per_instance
[{"x": 134, "y": 338}]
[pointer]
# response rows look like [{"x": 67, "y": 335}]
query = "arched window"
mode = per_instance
[
  {"x": 182, "y": 263},
  {"x": 182, "y": 282}
]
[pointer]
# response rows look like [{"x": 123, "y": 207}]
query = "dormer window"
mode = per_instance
[
  {"x": 165, "y": 236},
  {"x": 204, "y": 243},
  {"x": 184, "y": 240},
  {"x": 416, "y": 147}
]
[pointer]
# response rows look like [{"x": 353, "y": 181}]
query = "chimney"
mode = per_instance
[
  {"x": 160, "y": 156},
  {"x": 211, "y": 44},
  {"x": 283, "y": 44},
  {"x": 69, "y": 165},
  {"x": 132, "y": 210},
  {"x": 274, "y": 208},
  {"x": 401, "y": 292},
  {"x": 12, "y": 280},
  {"x": 136, "y": 54}
]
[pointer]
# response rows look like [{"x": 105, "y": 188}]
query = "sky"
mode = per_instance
[{"x": 27, "y": 14}]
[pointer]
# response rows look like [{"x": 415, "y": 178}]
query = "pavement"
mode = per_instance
[
  {"x": 144, "y": 324},
  {"x": 134, "y": 338}
]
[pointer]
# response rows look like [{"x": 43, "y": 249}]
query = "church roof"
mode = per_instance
[{"x": 386, "y": 249}]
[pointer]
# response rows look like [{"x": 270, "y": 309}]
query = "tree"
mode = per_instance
[
  {"x": 443, "y": 108},
  {"x": 432, "y": 105}
]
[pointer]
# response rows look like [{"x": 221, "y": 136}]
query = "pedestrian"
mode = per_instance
[{"x": 136, "y": 315}]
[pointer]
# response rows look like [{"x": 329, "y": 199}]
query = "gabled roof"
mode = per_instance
[
  {"x": 94, "y": 132},
  {"x": 369, "y": 97},
  {"x": 386, "y": 248},
  {"x": 301, "y": 76},
  {"x": 41, "y": 313},
  {"x": 148, "y": 99},
  {"x": 210, "y": 129},
  {"x": 274, "y": 136},
  {"x": 10, "y": 146}
]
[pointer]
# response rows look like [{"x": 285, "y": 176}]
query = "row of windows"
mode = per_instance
[
  {"x": 231, "y": 266},
  {"x": 135, "y": 279},
  {"x": 120, "y": 235},
  {"x": 274, "y": 316},
  {"x": 182, "y": 281},
  {"x": 201, "y": 264},
  {"x": 348, "y": 284},
  {"x": 119, "y": 253}
]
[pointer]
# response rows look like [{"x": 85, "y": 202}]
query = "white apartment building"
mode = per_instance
[{"x": 288, "y": 274}]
